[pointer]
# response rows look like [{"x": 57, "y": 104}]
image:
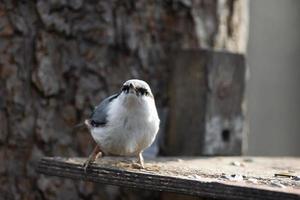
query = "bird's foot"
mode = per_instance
[
  {"x": 138, "y": 166},
  {"x": 140, "y": 162},
  {"x": 86, "y": 164},
  {"x": 94, "y": 155}
]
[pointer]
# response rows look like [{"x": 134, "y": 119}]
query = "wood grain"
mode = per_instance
[{"x": 204, "y": 177}]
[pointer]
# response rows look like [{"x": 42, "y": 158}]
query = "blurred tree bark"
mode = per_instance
[{"x": 60, "y": 58}]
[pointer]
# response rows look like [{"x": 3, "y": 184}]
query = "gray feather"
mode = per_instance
[{"x": 99, "y": 115}]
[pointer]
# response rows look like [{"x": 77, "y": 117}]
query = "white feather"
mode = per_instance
[{"x": 132, "y": 125}]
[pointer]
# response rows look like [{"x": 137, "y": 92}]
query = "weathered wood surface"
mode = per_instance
[
  {"x": 218, "y": 177},
  {"x": 206, "y": 98}
]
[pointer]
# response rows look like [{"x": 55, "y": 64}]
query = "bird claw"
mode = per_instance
[
  {"x": 138, "y": 166},
  {"x": 94, "y": 155},
  {"x": 86, "y": 164},
  {"x": 140, "y": 162}
]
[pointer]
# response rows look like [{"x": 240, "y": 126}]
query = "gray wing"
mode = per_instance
[{"x": 99, "y": 115}]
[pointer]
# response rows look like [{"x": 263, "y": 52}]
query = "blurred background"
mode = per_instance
[
  {"x": 58, "y": 59},
  {"x": 273, "y": 89}
]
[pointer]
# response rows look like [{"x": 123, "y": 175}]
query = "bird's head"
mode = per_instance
[
  {"x": 136, "y": 92},
  {"x": 136, "y": 88}
]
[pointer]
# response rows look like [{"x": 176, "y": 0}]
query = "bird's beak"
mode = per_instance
[{"x": 131, "y": 89}]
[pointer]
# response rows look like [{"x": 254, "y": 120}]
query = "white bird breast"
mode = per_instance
[{"x": 132, "y": 125}]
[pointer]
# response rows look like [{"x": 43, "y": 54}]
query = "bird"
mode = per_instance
[{"x": 124, "y": 124}]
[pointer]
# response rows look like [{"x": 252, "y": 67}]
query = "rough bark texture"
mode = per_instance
[{"x": 58, "y": 59}]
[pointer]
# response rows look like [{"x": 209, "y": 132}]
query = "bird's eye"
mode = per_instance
[
  {"x": 94, "y": 123},
  {"x": 142, "y": 91},
  {"x": 125, "y": 88}
]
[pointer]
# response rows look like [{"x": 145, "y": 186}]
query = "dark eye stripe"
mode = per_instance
[
  {"x": 125, "y": 88},
  {"x": 142, "y": 91},
  {"x": 95, "y": 124}
]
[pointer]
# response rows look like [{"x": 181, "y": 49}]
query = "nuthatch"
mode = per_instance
[{"x": 125, "y": 123}]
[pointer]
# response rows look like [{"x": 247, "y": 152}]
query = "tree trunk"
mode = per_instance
[{"x": 60, "y": 58}]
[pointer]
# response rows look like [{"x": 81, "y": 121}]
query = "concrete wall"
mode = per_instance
[{"x": 274, "y": 85}]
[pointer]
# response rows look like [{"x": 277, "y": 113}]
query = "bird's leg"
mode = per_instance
[
  {"x": 93, "y": 156},
  {"x": 140, "y": 162},
  {"x": 99, "y": 155}
]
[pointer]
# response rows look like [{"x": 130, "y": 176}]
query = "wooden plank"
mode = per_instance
[
  {"x": 186, "y": 120},
  {"x": 218, "y": 177},
  {"x": 206, "y": 97}
]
